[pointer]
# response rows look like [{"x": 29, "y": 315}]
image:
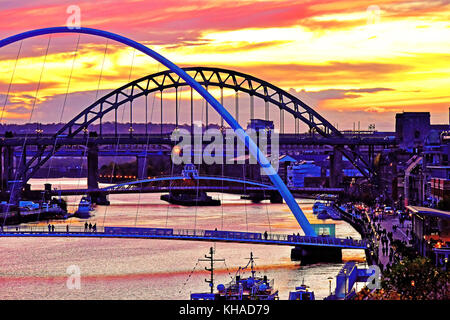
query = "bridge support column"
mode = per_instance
[
  {"x": 276, "y": 197},
  {"x": 141, "y": 164},
  {"x": 8, "y": 166},
  {"x": 336, "y": 176},
  {"x": 316, "y": 254},
  {"x": 92, "y": 167},
  {"x": 92, "y": 179},
  {"x": 2, "y": 184}
]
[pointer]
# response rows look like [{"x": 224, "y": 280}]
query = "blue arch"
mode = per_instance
[
  {"x": 252, "y": 183},
  {"x": 249, "y": 143}
]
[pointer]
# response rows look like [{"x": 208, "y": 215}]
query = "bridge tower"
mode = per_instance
[
  {"x": 8, "y": 166},
  {"x": 336, "y": 175},
  {"x": 141, "y": 165},
  {"x": 92, "y": 166}
]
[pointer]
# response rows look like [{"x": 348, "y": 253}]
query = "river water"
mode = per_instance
[{"x": 36, "y": 268}]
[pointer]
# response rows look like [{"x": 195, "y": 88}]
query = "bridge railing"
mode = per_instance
[
  {"x": 194, "y": 233},
  {"x": 58, "y": 228}
]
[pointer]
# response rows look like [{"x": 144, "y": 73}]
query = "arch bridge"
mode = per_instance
[{"x": 198, "y": 79}]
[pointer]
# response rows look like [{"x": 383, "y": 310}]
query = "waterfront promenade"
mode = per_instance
[{"x": 401, "y": 232}]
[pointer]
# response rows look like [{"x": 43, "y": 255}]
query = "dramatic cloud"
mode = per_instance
[{"x": 349, "y": 58}]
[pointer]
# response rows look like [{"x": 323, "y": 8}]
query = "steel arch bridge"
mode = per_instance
[
  {"x": 132, "y": 184},
  {"x": 214, "y": 77},
  {"x": 27, "y": 169},
  {"x": 207, "y": 77}
]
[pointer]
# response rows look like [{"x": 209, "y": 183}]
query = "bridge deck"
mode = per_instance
[{"x": 183, "y": 234}]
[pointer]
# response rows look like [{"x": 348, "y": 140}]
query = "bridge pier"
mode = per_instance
[
  {"x": 141, "y": 164},
  {"x": 275, "y": 197},
  {"x": 8, "y": 166},
  {"x": 92, "y": 166},
  {"x": 92, "y": 179},
  {"x": 314, "y": 254},
  {"x": 336, "y": 176}
]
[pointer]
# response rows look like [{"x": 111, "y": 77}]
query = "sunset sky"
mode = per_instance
[{"x": 353, "y": 60}]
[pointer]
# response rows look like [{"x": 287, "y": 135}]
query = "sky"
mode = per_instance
[{"x": 356, "y": 62}]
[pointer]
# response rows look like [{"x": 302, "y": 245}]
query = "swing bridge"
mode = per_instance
[{"x": 213, "y": 85}]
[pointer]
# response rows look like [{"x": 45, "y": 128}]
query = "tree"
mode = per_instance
[{"x": 416, "y": 279}]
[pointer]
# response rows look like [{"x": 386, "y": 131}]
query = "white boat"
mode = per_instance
[{"x": 85, "y": 206}]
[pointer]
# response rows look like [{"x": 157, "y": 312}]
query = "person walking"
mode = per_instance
[
  {"x": 53, "y": 228},
  {"x": 85, "y": 226},
  {"x": 67, "y": 228},
  {"x": 49, "y": 228}
]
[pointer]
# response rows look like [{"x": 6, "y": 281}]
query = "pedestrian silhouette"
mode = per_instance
[{"x": 85, "y": 226}]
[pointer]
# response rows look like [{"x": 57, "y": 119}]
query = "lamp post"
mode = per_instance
[
  {"x": 345, "y": 285},
  {"x": 329, "y": 280}
]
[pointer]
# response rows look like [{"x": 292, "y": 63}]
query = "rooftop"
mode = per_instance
[{"x": 429, "y": 212}]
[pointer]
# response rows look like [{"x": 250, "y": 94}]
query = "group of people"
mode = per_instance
[{"x": 90, "y": 227}]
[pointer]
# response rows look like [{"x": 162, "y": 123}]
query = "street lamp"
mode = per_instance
[
  {"x": 345, "y": 286},
  {"x": 329, "y": 280}
]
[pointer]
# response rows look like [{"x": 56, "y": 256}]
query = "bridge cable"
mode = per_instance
[
  {"x": 118, "y": 138},
  {"x": 86, "y": 129},
  {"x": 10, "y": 81},
  {"x": 266, "y": 205},
  {"x": 245, "y": 189},
  {"x": 4, "y": 106},
  {"x": 223, "y": 151},
  {"x": 171, "y": 182},
  {"x": 200, "y": 164},
  {"x": 31, "y": 116},
  {"x": 144, "y": 169},
  {"x": 62, "y": 110}
]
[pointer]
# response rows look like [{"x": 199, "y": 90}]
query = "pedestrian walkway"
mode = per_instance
[{"x": 399, "y": 232}]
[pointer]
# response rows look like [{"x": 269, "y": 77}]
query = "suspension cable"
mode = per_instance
[
  {"x": 4, "y": 106},
  {"x": 63, "y": 108},
  {"x": 118, "y": 136},
  {"x": 31, "y": 116},
  {"x": 10, "y": 81},
  {"x": 144, "y": 169},
  {"x": 86, "y": 147}
]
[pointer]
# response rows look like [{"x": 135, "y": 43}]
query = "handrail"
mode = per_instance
[{"x": 190, "y": 233}]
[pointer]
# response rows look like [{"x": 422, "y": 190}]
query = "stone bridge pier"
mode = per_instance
[{"x": 336, "y": 173}]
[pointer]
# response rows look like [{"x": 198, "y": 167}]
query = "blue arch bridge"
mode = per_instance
[
  {"x": 196, "y": 79},
  {"x": 306, "y": 246}
]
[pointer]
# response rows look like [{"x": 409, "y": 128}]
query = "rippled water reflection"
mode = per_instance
[{"x": 33, "y": 268}]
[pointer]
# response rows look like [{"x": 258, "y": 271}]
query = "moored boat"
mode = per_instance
[
  {"x": 301, "y": 293},
  {"x": 240, "y": 288},
  {"x": 84, "y": 207},
  {"x": 190, "y": 199}
]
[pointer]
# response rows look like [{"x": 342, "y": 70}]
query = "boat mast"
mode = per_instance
[
  {"x": 211, "y": 259},
  {"x": 252, "y": 261}
]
